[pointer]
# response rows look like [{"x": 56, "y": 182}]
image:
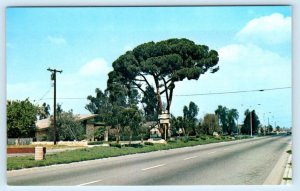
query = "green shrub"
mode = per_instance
[
  {"x": 149, "y": 143},
  {"x": 115, "y": 145},
  {"x": 185, "y": 139},
  {"x": 95, "y": 143},
  {"x": 193, "y": 139},
  {"x": 135, "y": 145}
]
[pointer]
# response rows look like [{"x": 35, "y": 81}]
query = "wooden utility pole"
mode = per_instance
[{"x": 53, "y": 77}]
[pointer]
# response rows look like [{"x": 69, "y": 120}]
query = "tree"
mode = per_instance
[
  {"x": 277, "y": 128},
  {"x": 68, "y": 127},
  {"x": 221, "y": 112},
  {"x": 165, "y": 62},
  {"x": 270, "y": 128},
  {"x": 210, "y": 124},
  {"x": 233, "y": 115},
  {"x": 98, "y": 134},
  {"x": 227, "y": 118},
  {"x": 132, "y": 117},
  {"x": 21, "y": 117},
  {"x": 179, "y": 124},
  {"x": 98, "y": 104},
  {"x": 149, "y": 102},
  {"x": 246, "y": 128},
  {"x": 190, "y": 116},
  {"x": 43, "y": 111}
]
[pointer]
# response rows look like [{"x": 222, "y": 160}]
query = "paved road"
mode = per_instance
[{"x": 245, "y": 162}]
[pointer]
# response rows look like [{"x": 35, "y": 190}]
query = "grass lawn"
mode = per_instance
[{"x": 84, "y": 154}]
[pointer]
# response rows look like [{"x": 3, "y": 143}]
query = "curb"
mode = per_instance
[{"x": 287, "y": 176}]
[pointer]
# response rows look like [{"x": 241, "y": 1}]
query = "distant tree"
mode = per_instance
[
  {"x": 21, "y": 117},
  {"x": 59, "y": 109},
  {"x": 277, "y": 128},
  {"x": 269, "y": 128},
  {"x": 221, "y": 112},
  {"x": 165, "y": 63},
  {"x": 246, "y": 128},
  {"x": 43, "y": 111},
  {"x": 98, "y": 104},
  {"x": 232, "y": 117},
  {"x": 227, "y": 118},
  {"x": 179, "y": 124},
  {"x": 210, "y": 124},
  {"x": 190, "y": 116},
  {"x": 149, "y": 102}
]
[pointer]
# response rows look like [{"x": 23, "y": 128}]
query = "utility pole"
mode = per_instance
[
  {"x": 251, "y": 123},
  {"x": 53, "y": 77},
  {"x": 268, "y": 125}
]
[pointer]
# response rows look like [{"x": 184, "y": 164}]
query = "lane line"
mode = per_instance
[
  {"x": 153, "y": 167},
  {"x": 90, "y": 182},
  {"x": 211, "y": 152},
  {"x": 226, "y": 149},
  {"x": 190, "y": 158}
]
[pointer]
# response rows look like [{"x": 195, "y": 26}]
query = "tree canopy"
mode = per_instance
[
  {"x": 227, "y": 118},
  {"x": 21, "y": 117},
  {"x": 210, "y": 124},
  {"x": 190, "y": 116},
  {"x": 160, "y": 64},
  {"x": 246, "y": 128}
]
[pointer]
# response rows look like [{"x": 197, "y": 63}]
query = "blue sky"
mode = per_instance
[{"x": 254, "y": 45}]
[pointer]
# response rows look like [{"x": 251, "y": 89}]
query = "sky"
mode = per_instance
[{"x": 253, "y": 42}]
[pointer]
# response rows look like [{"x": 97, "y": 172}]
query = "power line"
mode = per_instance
[
  {"x": 44, "y": 94},
  {"x": 202, "y": 94},
  {"x": 234, "y": 92}
]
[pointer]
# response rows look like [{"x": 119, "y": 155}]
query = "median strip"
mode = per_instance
[
  {"x": 153, "y": 167},
  {"x": 90, "y": 182}
]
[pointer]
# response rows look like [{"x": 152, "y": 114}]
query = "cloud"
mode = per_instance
[
  {"x": 95, "y": 67},
  {"x": 57, "y": 40},
  {"x": 254, "y": 66},
  {"x": 242, "y": 67},
  {"x": 272, "y": 29}
]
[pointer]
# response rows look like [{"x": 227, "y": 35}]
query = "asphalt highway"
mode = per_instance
[{"x": 245, "y": 162}]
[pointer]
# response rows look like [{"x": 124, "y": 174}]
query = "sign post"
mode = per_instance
[{"x": 164, "y": 120}]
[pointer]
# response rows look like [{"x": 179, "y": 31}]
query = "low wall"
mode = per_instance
[
  {"x": 20, "y": 150},
  {"x": 65, "y": 143},
  {"x": 19, "y": 141}
]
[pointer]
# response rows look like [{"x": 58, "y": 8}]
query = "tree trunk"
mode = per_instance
[
  {"x": 158, "y": 96},
  {"x": 130, "y": 138},
  {"x": 118, "y": 135}
]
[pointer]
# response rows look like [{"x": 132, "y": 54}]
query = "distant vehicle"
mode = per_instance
[{"x": 288, "y": 133}]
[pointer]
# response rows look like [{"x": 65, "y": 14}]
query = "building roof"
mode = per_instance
[{"x": 45, "y": 123}]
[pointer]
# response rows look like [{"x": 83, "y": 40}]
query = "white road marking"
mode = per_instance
[
  {"x": 211, "y": 152},
  {"x": 226, "y": 149},
  {"x": 90, "y": 182},
  {"x": 153, "y": 167},
  {"x": 190, "y": 157}
]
